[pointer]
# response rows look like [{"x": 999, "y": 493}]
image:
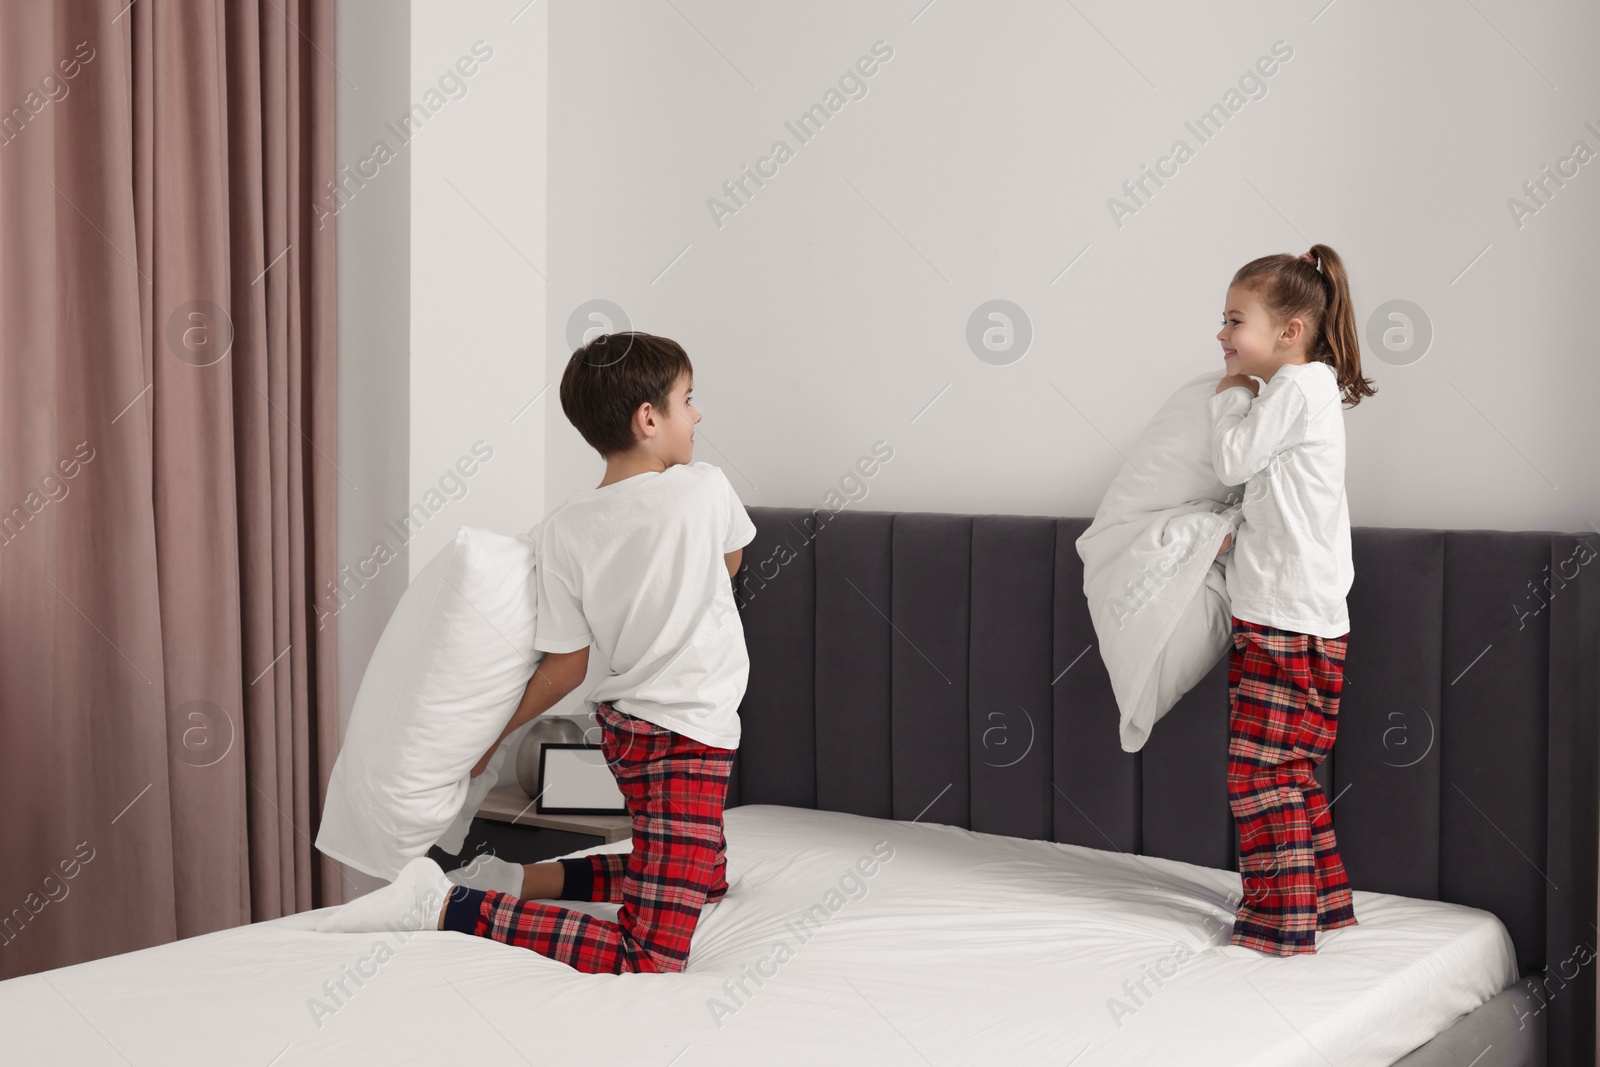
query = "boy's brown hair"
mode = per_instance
[{"x": 607, "y": 379}]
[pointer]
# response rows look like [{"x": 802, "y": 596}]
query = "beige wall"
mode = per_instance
[{"x": 831, "y": 309}]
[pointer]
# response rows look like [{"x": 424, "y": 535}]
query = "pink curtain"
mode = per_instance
[{"x": 168, "y": 706}]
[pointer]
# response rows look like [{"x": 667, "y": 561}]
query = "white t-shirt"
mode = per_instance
[
  {"x": 1290, "y": 564},
  {"x": 636, "y": 569}
]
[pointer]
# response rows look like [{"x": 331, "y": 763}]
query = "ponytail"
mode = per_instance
[{"x": 1316, "y": 288}]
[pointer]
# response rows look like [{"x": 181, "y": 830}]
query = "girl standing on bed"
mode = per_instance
[{"x": 1287, "y": 321}]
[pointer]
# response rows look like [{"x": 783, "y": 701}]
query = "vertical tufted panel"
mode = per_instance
[
  {"x": 929, "y": 654},
  {"x": 1390, "y": 715},
  {"x": 1496, "y": 706},
  {"x": 1573, "y": 811},
  {"x": 776, "y": 592},
  {"x": 1096, "y": 784},
  {"x": 1184, "y": 778},
  {"x": 854, "y": 573},
  {"x": 1009, "y": 703}
]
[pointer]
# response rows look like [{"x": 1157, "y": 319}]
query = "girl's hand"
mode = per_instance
[
  {"x": 1230, "y": 380},
  {"x": 483, "y": 764},
  {"x": 1227, "y": 539}
]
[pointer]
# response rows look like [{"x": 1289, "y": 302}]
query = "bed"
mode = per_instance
[
  {"x": 943, "y": 666},
  {"x": 858, "y": 939},
  {"x": 940, "y": 854}
]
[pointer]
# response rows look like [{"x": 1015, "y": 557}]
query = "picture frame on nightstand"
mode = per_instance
[{"x": 574, "y": 780}]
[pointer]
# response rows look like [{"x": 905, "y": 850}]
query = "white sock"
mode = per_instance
[
  {"x": 489, "y": 872},
  {"x": 411, "y": 902}
]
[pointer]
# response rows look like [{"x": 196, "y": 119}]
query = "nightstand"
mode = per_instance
[
  {"x": 507, "y": 826},
  {"x": 509, "y": 804}
]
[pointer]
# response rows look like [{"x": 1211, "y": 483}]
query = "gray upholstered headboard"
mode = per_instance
[{"x": 944, "y": 666}]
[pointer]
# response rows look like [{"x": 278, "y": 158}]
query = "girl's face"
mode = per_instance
[{"x": 1253, "y": 342}]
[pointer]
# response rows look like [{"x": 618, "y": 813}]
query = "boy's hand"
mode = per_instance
[
  {"x": 557, "y": 674},
  {"x": 1227, "y": 539},
  {"x": 1230, "y": 380}
]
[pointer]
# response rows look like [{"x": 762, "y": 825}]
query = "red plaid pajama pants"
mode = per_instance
[
  {"x": 1283, "y": 691},
  {"x": 674, "y": 788}
]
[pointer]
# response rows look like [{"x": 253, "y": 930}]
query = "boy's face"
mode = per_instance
[{"x": 675, "y": 426}]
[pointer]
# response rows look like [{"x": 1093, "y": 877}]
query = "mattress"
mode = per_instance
[{"x": 842, "y": 939}]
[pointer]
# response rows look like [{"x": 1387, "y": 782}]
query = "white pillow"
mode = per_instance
[
  {"x": 1155, "y": 589},
  {"x": 443, "y": 681},
  {"x": 503, "y": 761}
]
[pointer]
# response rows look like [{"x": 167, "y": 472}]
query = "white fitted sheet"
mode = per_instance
[{"x": 963, "y": 948}]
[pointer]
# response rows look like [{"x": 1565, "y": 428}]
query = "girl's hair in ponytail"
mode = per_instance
[{"x": 1315, "y": 288}]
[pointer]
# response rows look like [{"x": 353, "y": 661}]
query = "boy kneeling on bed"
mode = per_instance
[{"x": 638, "y": 566}]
